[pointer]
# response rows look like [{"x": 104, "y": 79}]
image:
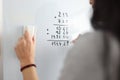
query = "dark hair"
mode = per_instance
[{"x": 106, "y": 16}]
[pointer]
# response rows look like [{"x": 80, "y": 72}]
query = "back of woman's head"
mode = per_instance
[{"x": 106, "y": 16}]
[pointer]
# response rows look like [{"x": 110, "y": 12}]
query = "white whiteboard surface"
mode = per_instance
[
  {"x": 46, "y": 15},
  {"x": 1, "y": 65},
  {"x": 1, "y": 16}
]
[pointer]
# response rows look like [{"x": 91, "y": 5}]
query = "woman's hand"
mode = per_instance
[
  {"x": 25, "y": 49},
  {"x": 73, "y": 41}
]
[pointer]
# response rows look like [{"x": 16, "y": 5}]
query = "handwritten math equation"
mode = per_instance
[{"x": 61, "y": 36}]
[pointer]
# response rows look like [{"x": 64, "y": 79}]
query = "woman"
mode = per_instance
[{"x": 95, "y": 56}]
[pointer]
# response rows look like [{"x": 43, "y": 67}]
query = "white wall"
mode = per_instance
[
  {"x": 1, "y": 65},
  {"x": 1, "y": 15}
]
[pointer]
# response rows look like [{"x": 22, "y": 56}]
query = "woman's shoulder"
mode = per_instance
[
  {"x": 90, "y": 36},
  {"x": 91, "y": 41},
  {"x": 83, "y": 60}
]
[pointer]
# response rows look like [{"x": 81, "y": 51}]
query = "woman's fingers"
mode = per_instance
[
  {"x": 27, "y": 36},
  {"x": 34, "y": 39}
]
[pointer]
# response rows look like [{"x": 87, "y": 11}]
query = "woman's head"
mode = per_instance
[{"x": 106, "y": 16}]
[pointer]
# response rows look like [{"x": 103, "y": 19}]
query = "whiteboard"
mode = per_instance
[
  {"x": 57, "y": 23},
  {"x": 1, "y": 58}
]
